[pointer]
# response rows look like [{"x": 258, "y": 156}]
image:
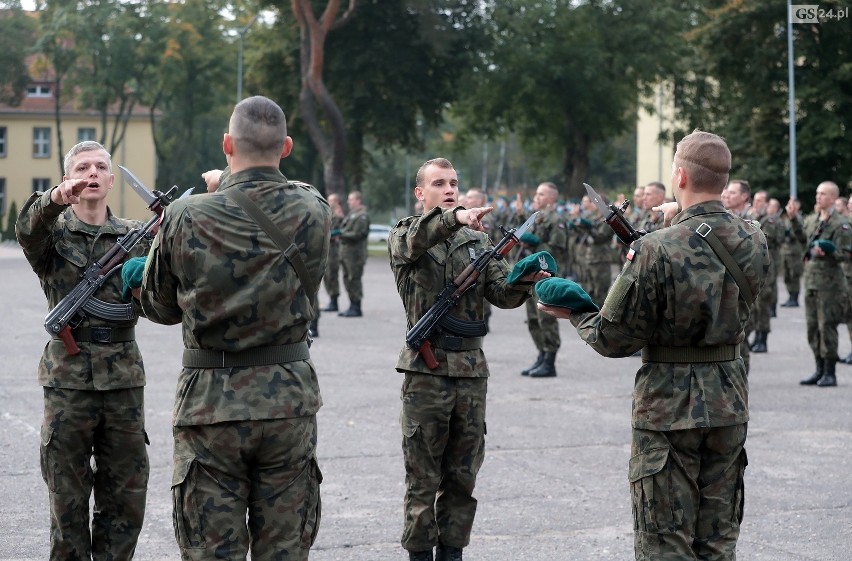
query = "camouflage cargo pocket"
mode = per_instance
[
  {"x": 739, "y": 494},
  {"x": 185, "y": 512},
  {"x": 650, "y": 486},
  {"x": 313, "y": 505},
  {"x": 48, "y": 469},
  {"x": 414, "y": 447}
]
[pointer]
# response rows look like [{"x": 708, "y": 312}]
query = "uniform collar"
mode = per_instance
[
  {"x": 707, "y": 207},
  {"x": 251, "y": 175}
]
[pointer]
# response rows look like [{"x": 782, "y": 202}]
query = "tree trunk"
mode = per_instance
[{"x": 576, "y": 165}]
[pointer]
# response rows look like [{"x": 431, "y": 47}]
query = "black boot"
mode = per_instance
[
  {"x": 448, "y": 553},
  {"x": 313, "y": 328},
  {"x": 759, "y": 345},
  {"x": 354, "y": 310},
  {"x": 815, "y": 377},
  {"x": 792, "y": 302},
  {"x": 420, "y": 555},
  {"x": 332, "y": 305},
  {"x": 828, "y": 378},
  {"x": 536, "y": 364},
  {"x": 547, "y": 368}
]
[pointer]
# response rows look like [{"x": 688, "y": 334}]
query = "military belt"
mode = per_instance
[
  {"x": 258, "y": 356},
  {"x": 453, "y": 343},
  {"x": 690, "y": 354},
  {"x": 103, "y": 334}
]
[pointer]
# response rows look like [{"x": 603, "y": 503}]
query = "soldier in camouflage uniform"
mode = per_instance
[
  {"x": 93, "y": 401},
  {"x": 547, "y": 234},
  {"x": 331, "y": 280},
  {"x": 353, "y": 251},
  {"x": 593, "y": 249},
  {"x": 654, "y": 196},
  {"x": 735, "y": 198},
  {"x": 443, "y": 410},
  {"x": 774, "y": 232},
  {"x": 245, "y": 430},
  {"x": 829, "y": 242},
  {"x": 676, "y": 300},
  {"x": 792, "y": 253}
]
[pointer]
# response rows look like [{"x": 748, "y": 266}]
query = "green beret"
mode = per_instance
[
  {"x": 827, "y": 246},
  {"x": 131, "y": 274},
  {"x": 564, "y": 293},
  {"x": 530, "y": 239},
  {"x": 336, "y": 232},
  {"x": 541, "y": 261}
]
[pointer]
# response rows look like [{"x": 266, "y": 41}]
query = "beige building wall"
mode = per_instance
[
  {"x": 654, "y": 158},
  {"x": 21, "y": 169}
]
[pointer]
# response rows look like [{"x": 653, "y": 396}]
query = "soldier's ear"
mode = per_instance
[
  {"x": 288, "y": 147},
  {"x": 418, "y": 193}
]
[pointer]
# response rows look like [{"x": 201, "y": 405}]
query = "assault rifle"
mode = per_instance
[
  {"x": 417, "y": 337},
  {"x": 70, "y": 310},
  {"x": 625, "y": 232}
]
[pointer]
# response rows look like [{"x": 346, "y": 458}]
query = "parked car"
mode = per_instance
[{"x": 378, "y": 233}]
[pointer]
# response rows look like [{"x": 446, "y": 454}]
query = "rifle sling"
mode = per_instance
[
  {"x": 706, "y": 233},
  {"x": 258, "y": 356},
  {"x": 291, "y": 251}
]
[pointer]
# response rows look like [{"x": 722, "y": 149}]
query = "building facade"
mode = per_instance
[{"x": 31, "y": 153}]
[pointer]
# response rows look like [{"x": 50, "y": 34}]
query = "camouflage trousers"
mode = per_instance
[
  {"x": 824, "y": 311},
  {"x": 766, "y": 298},
  {"x": 264, "y": 469},
  {"x": 331, "y": 279},
  {"x": 108, "y": 426},
  {"x": 353, "y": 271},
  {"x": 792, "y": 268},
  {"x": 544, "y": 328},
  {"x": 688, "y": 494},
  {"x": 443, "y": 445}
]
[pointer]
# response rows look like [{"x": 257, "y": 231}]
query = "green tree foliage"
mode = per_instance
[
  {"x": 17, "y": 37},
  {"x": 392, "y": 70},
  {"x": 8, "y": 232},
  {"x": 739, "y": 89},
  {"x": 566, "y": 76}
]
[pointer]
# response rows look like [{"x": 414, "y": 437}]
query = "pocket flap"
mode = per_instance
[
  {"x": 409, "y": 426},
  {"x": 647, "y": 463},
  {"x": 181, "y": 470}
]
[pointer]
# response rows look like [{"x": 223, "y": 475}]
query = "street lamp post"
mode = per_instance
[{"x": 241, "y": 34}]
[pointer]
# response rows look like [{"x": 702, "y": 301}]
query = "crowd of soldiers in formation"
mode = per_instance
[{"x": 590, "y": 249}]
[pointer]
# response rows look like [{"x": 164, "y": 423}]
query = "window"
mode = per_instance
[
  {"x": 2, "y": 142},
  {"x": 39, "y": 90},
  {"x": 41, "y": 142},
  {"x": 85, "y": 133},
  {"x": 41, "y": 184}
]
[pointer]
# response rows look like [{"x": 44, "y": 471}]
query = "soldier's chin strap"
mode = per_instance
[{"x": 290, "y": 249}]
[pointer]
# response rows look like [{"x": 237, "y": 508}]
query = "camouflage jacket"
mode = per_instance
[
  {"x": 773, "y": 229},
  {"x": 355, "y": 228},
  {"x": 825, "y": 273},
  {"x": 595, "y": 240},
  {"x": 60, "y": 247},
  {"x": 426, "y": 253},
  {"x": 794, "y": 236},
  {"x": 673, "y": 291},
  {"x": 215, "y": 270}
]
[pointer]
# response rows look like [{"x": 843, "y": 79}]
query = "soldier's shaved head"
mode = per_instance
[
  {"x": 258, "y": 128},
  {"x": 706, "y": 159}
]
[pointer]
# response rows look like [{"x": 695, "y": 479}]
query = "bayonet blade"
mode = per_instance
[
  {"x": 526, "y": 225},
  {"x": 139, "y": 187},
  {"x": 597, "y": 199}
]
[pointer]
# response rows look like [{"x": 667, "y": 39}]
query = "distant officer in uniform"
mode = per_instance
[
  {"x": 829, "y": 242},
  {"x": 331, "y": 280},
  {"x": 593, "y": 250},
  {"x": 547, "y": 234},
  {"x": 443, "y": 410},
  {"x": 654, "y": 196},
  {"x": 736, "y": 198},
  {"x": 792, "y": 252},
  {"x": 245, "y": 431},
  {"x": 93, "y": 430},
  {"x": 677, "y": 300},
  {"x": 773, "y": 230},
  {"x": 353, "y": 252}
]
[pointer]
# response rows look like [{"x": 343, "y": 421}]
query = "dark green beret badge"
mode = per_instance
[
  {"x": 541, "y": 261},
  {"x": 564, "y": 293}
]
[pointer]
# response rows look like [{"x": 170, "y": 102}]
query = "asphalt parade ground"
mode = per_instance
[{"x": 554, "y": 482}]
